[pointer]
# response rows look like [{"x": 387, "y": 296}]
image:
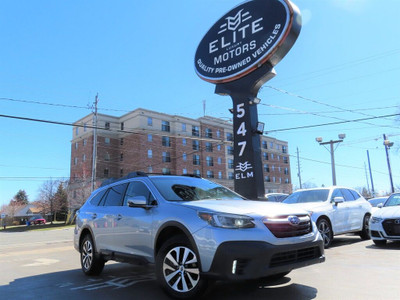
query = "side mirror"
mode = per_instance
[
  {"x": 137, "y": 201},
  {"x": 338, "y": 200},
  {"x": 380, "y": 205}
]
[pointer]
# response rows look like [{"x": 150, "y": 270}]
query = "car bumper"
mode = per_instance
[
  {"x": 242, "y": 260},
  {"x": 378, "y": 232}
]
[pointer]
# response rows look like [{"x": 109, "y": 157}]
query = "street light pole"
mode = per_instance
[
  {"x": 332, "y": 152},
  {"x": 388, "y": 144}
]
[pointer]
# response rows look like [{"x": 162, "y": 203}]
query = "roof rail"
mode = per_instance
[{"x": 130, "y": 175}]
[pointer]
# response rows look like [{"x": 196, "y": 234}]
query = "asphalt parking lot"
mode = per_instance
[{"x": 44, "y": 264}]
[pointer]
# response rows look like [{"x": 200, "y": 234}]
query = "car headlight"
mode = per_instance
[
  {"x": 376, "y": 220},
  {"x": 227, "y": 220}
]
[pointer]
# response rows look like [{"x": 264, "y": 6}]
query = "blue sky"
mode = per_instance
[{"x": 56, "y": 55}]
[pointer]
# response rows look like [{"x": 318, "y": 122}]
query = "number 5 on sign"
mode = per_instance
[
  {"x": 243, "y": 145},
  {"x": 240, "y": 110}
]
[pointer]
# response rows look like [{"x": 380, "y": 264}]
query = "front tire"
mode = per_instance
[
  {"x": 364, "y": 233},
  {"x": 178, "y": 269},
  {"x": 91, "y": 262},
  {"x": 325, "y": 229},
  {"x": 379, "y": 243}
]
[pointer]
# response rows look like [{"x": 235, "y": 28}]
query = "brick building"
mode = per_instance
[{"x": 153, "y": 142}]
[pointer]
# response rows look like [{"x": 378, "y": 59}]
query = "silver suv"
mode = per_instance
[{"x": 194, "y": 231}]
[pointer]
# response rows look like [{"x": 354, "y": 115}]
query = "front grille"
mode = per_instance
[
  {"x": 294, "y": 256},
  {"x": 282, "y": 227},
  {"x": 391, "y": 227},
  {"x": 375, "y": 234}
]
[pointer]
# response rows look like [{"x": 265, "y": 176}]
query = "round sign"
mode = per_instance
[{"x": 245, "y": 38}]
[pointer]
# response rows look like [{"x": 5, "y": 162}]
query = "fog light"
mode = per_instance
[{"x": 234, "y": 266}]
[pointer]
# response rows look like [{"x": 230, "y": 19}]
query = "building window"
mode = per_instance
[
  {"x": 219, "y": 147},
  {"x": 230, "y": 164},
  {"x": 210, "y": 161},
  {"x": 229, "y": 137},
  {"x": 278, "y": 158},
  {"x": 183, "y": 127},
  {"x": 166, "y": 141},
  {"x": 107, "y": 157},
  {"x": 264, "y": 145},
  {"x": 121, "y": 141},
  {"x": 273, "y": 168},
  {"x": 277, "y": 147},
  {"x": 273, "y": 179},
  {"x": 121, "y": 172},
  {"x": 267, "y": 179},
  {"x": 209, "y": 147},
  {"x": 210, "y": 174},
  {"x": 75, "y": 161},
  {"x": 84, "y": 142},
  {"x": 166, "y": 171},
  {"x": 266, "y": 168},
  {"x": 208, "y": 133},
  {"x": 149, "y": 121},
  {"x": 184, "y": 156},
  {"x": 84, "y": 157},
  {"x": 230, "y": 175},
  {"x": 107, "y": 125},
  {"x": 165, "y": 126},
  {"x": 76, "y": 146},
  {"x": 184, "y": 142},
  {"x": 218, "y": 133},
  {"x": 265, "y": 155},
  {"x": 149, "y": 137},
  {"x": 219, "y": 160},
  {"x": 166, "y": 157},
  {"x": 196, "y": 159},
  {"x": 286, "y": 171},
  {"x": 287, "y": 180},
  {"x": 230, "y": 150},
  {"x": 149, "y": 169},
  {"x": 220, "y": 175},
  {"x": 284, "y": 149},
  {"x": 285, "y": 160},
  {"x": 196, "y": 173},
  {"x": 122, "y": 125},
  {"x": 121, "y": 157},
  {"x": 196, "y": 145},
  {"x": 272, "y": 156},
  {"x": 184, "y": 171},
  {"x": 105, "y": 173},
  {"x": 84, "y": 127},
  {"x": 149, "y": 153},
  {"x": 195, "y": 130},
  {"x": 107, "y": 141},
  {"x": 76, "y": 130}
]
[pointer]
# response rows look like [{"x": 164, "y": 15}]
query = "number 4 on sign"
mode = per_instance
[
  {"x": 242, "y": 129},
  {"x": 243, "y": 145}
]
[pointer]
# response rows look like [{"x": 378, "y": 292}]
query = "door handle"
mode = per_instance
[
  {"x": 94, "y": 216},
  {"x": 119, "y": 217}
]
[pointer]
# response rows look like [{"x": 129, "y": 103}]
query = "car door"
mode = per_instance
[
  {"x": 354, "y": 202},
  {"x": 105, "y": 218},
  {"x": 339, "y": 213},
  {"x": 133, "y": 231}
]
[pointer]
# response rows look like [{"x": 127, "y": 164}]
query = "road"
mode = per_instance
[{"x": 44, "y": 265}]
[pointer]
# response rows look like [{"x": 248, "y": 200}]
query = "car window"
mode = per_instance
[
  {"x": 393, "y": 200},
  {"x": 336, "y": 193},
  {"x": 348, "y": 196},
  {"x": 114, "y": 195},
  {"x": 97, "y": 198},
  {"x": 137, "y": 188},
  {"x": 307, "y": 196},
  {"x": 355, "y": 194}
]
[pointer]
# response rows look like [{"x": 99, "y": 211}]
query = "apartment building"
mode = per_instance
[{"x": 154, "y": 142}]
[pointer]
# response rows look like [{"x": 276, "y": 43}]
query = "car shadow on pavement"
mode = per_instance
[
  {"x": 390, "y": 245},
  {"x": 344, "y": 240},
  {"x": 124, "y": 281}
]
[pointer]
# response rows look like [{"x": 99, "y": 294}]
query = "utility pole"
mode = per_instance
[
  {"x": 298, "y": 167},
  {"x": 96, "y": 100},
  {"x": 388, "y": 144},
  {"x": 332, "y": 151},
  {"x": 366, "y": 177},
  {"x": 370, "y": 175}
]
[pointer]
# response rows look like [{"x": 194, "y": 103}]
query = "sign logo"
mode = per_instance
[
  {"x": 245, "y": 38},
  {"x": 294, "y": 220},
  {"x": 243, "y": 166}
]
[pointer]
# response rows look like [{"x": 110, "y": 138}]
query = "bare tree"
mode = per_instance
[{"x": 47, "y": 200}]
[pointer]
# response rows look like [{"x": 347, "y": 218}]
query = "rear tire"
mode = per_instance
[
  {"x": 91, "y": 262},
  {"x": 364, "y": 233},
  {"x": 178, "y": 269},
  {"x": 379, "y": 243}
]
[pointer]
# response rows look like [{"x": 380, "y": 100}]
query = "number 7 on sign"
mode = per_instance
[{"x": 243, "y": 146}]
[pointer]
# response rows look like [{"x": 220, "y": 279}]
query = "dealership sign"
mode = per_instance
[{"x": 245, "y": 38}]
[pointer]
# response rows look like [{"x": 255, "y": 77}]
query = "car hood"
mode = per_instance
[
  {"x": 387, "y": 212},
  {"x": 310, "y": 206},
  {"x": 244, "y": 207}
]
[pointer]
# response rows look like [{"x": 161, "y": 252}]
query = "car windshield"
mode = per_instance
[
  {"x": 191, "y": 189},
  {"x": 307, "y": 196},
  {"x": 393, "y": 200},
  {"x": 375, "y": 201}
]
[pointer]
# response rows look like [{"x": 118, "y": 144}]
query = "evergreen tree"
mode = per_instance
[{"x": 20, "y": 199}]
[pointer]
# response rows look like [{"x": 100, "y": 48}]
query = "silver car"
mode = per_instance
[{"x": 194, "y": 231}]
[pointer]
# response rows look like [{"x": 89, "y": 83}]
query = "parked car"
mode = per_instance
[
  {"x": 37, "y": 220},
  {"x": 376, "y": 201},
  {"x": 276, "y": 197},
  {"x": 335, "y": 210},
  {"x": 194, "y": 231},
  {"x": 385, "y": 221}
]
